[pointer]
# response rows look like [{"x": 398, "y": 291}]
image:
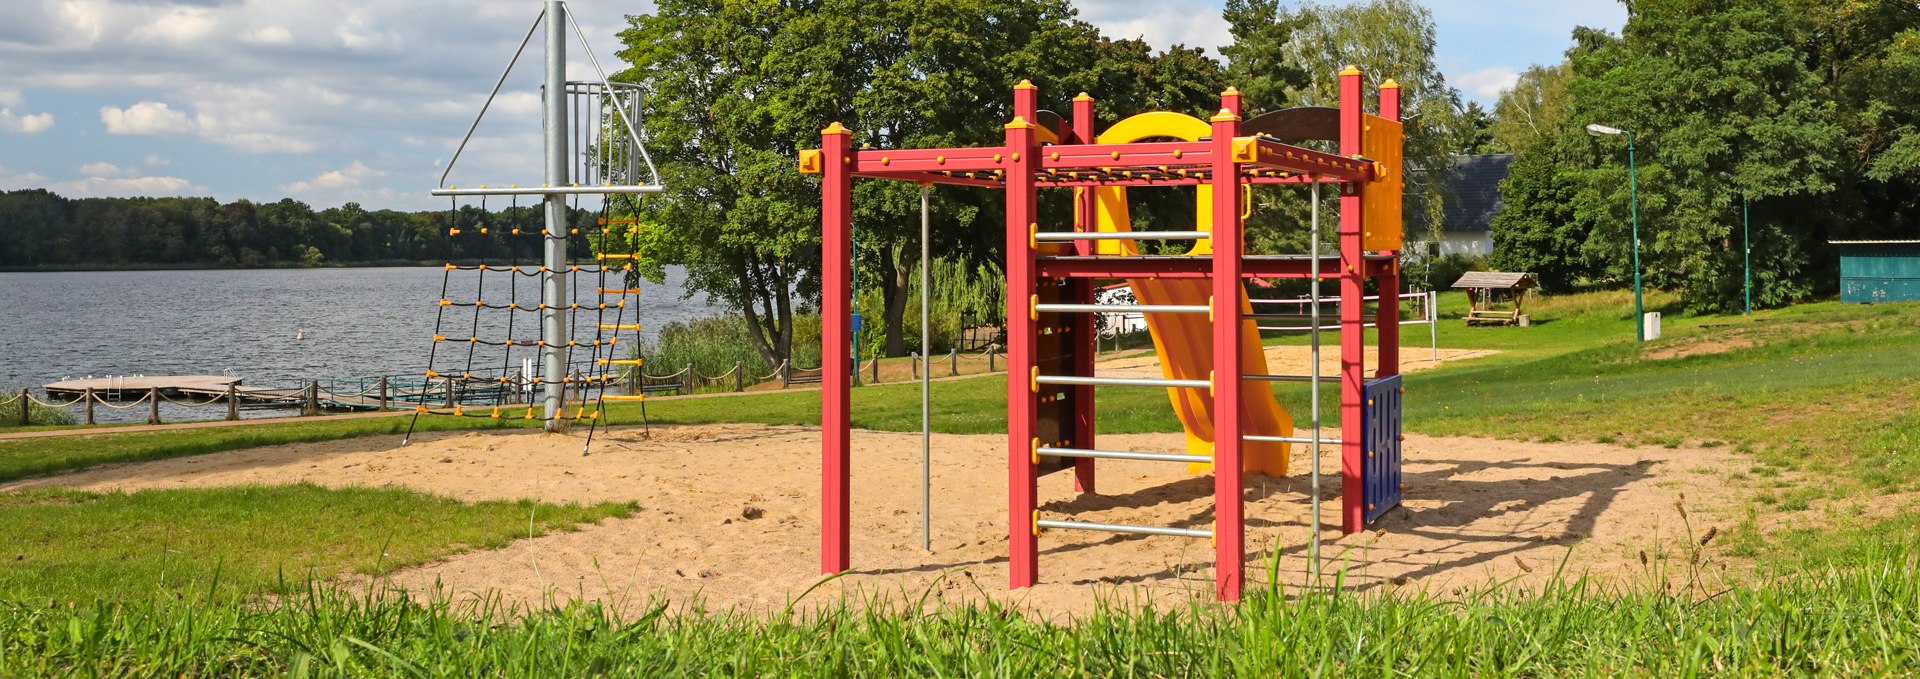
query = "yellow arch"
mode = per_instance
[{"x": 1111, "y": 201}]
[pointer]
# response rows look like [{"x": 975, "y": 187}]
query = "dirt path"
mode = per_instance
[{"x": 729, "y": 513}]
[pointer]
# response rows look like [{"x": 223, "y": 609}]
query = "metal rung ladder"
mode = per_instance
[
  {"x": 1123, "y": 528},
  {"x": 1051, "y": 451}
]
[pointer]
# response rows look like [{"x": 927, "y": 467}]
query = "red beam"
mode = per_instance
[
  {"x": 1229, "y": 528},
  {"x": 1270, "y": 153},
  {"x": 1023, "y": 546},
  {"x": 1352, "y": 301},
  {"x": 836, "y": 273},
  {"x": 1126, "y": 156},
  {"x": 886, "y": 161}
]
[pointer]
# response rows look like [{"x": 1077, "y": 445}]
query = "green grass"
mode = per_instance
[
  {"x": 1854, "y": 621},
  {"x": 21, "y": 458},
  {"x": 64, "y": 545}
]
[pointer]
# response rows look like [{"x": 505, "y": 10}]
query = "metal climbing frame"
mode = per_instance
[
  {"x": 596, "y": 149},
  {"x": 1050, "y": 302}
]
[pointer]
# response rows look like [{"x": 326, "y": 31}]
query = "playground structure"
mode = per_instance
[
  {"x": 593, "y": 148},
  {"x": 1195, "y": 303}
]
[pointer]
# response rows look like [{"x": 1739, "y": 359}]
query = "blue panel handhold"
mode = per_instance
[{"x": 1380, "y": 479}]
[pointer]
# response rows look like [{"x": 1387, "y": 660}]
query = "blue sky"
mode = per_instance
[{"x": 364, "y": 100}]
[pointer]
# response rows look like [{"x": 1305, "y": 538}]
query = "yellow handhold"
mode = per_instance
[
  {"x": 629, "y": 326},
  {"x": 619, "y": 361},
  {"x": 624, "y": 398}
]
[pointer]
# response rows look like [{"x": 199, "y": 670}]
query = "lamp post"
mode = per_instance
[
  {"x": 1746, "y": 246},
  {"x": 1633, "y": 198},
  {"x": 1746, "y": 250}
]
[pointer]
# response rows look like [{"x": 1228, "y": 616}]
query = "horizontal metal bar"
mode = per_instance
[
  {"x": 1057, "y": 236},
  {"x": 1122, "y": 308},
  {"x": 1050, "y": 451},
  {"x": 551, "y": 191},
  {"x": 1124, "y": 528},
  {"x": 1077, "y": 380},
  {"x": 1289, "y": 378},
  {"x": 1288, "y": 439}
]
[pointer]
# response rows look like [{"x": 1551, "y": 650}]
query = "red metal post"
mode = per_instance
[
  {"x": 1352, "y": 324},
  {"x": 1387, "y": 314},
  {"x": 836, "y": 250},
  {"x": 1086, "y": 344},
  {"x": 1228, "y": 510},
  {"x": 1022, "y": 474}
]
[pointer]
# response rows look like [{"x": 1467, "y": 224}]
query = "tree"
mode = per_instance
[
  {"x": 1722, "y": 105},
  {"x": 1536, "y": 108}
]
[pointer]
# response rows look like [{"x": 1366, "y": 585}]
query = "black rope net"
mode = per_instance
[{"x": 467, "y": 383}]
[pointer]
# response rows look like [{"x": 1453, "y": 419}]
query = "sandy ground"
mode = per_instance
[{"x": 728, "y": 514}]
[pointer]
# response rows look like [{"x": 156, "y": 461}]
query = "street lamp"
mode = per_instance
[
  {"x": 1746, "y": 246},
  {"x": 1633, "y": 197}
]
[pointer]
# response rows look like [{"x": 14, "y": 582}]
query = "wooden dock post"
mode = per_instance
[
  {"x": 449, "y": 392},
  {"x": 233, "y": 402},
  {"x": 385, "y": 401},
  {"x": 153, "y": 403},
  {"x": 89, "y": 398},
  {"x": 313, "y": 397}
]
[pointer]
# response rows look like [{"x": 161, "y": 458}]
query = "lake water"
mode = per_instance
[{"x": 283, "y": 326}]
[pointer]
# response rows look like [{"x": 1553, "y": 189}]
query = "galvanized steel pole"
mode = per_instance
[
  {"x": 553, "y": 281},
  {"x": 926, "y": 375}
]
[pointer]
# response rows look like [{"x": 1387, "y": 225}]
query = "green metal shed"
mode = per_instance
[{"x": 1879, "y": 270}]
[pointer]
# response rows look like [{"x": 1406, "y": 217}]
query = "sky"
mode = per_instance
[{"x": 366, "y": 100}]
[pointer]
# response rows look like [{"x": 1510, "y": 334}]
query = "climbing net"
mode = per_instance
[{"x": 477, "y": 336}]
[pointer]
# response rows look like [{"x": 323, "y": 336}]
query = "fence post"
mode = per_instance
[
  {"x": 953, "y": 361},
  {"x": 686, "y": 380},
  {"x": 990, "y": 353},
  {"x": 739, "y": 376},
  {"x": 90, "y": 398},
  {"x": 876, "y": 369},
  {"x": 449, "y": 393},
  {"x": 26, "y": 408},
  {"x": 916, "y": 365},
  {"x": 786, "y": 373},
  {"x": 313, "y": 397},
  {"x": 153, "y": 403},
  {"x": 384, "y": 399},
  {"x": 233, "y": 402}
]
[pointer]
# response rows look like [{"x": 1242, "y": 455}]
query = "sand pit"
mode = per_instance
[{"x": 729, "y": 513}]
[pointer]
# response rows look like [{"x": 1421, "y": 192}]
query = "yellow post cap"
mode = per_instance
[
  {"x": 1019, "y": 123},
  {"x": 1223, "y": 116},
  {"x": 1350, "y": 70},
  {"x": 1083, "y": 97},
  {"x": 1390, "y": 84},
  {"x": 1025, "y": 84},
  {"x": 835, "y": 128},
  {"x": 1231, "y": 90}
]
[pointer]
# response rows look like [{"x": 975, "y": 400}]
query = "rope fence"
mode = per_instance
[{"x": 454, "y": 394}]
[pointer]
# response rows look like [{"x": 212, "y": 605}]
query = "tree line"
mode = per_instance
[
  {"x": 737, "y": 89},
  {"x": 40, "y": 229},
  {"x": 1803, "y": 113}
]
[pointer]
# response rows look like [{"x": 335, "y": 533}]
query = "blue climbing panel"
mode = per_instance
[{"x": 1380, "y": 474}]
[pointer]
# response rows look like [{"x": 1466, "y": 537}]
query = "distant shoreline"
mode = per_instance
[{"x": 381, "y": 263}]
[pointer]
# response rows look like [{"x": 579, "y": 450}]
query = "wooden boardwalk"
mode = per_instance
[{"x": 208, "y": 389}]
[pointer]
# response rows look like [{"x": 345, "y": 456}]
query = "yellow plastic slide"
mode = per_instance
[{"x": 1184, "y": 342}]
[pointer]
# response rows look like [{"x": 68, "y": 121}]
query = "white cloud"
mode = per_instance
[
  {"x": 274, "y": 36},
  {"x": 354, "y": 175},
  {"x": 157, "y": 161},
  {"x": 26, "y": 123},
  {"x": 147, "y": 117},
  {"x": 106, "y": 170},
  {"x": 10, "y": 180},
  {"x": 11, "y": 98},
  {"x": 178, "y": 26},
  {"x": 1487, "y": 83},
  {"x": 1161, "y": 24},
  {"x": 126, "y": 186}
]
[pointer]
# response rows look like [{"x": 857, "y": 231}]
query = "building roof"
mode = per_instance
[
  {"x": 1498, "y": 280},
  {"x": 1474, "y": 188}
]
